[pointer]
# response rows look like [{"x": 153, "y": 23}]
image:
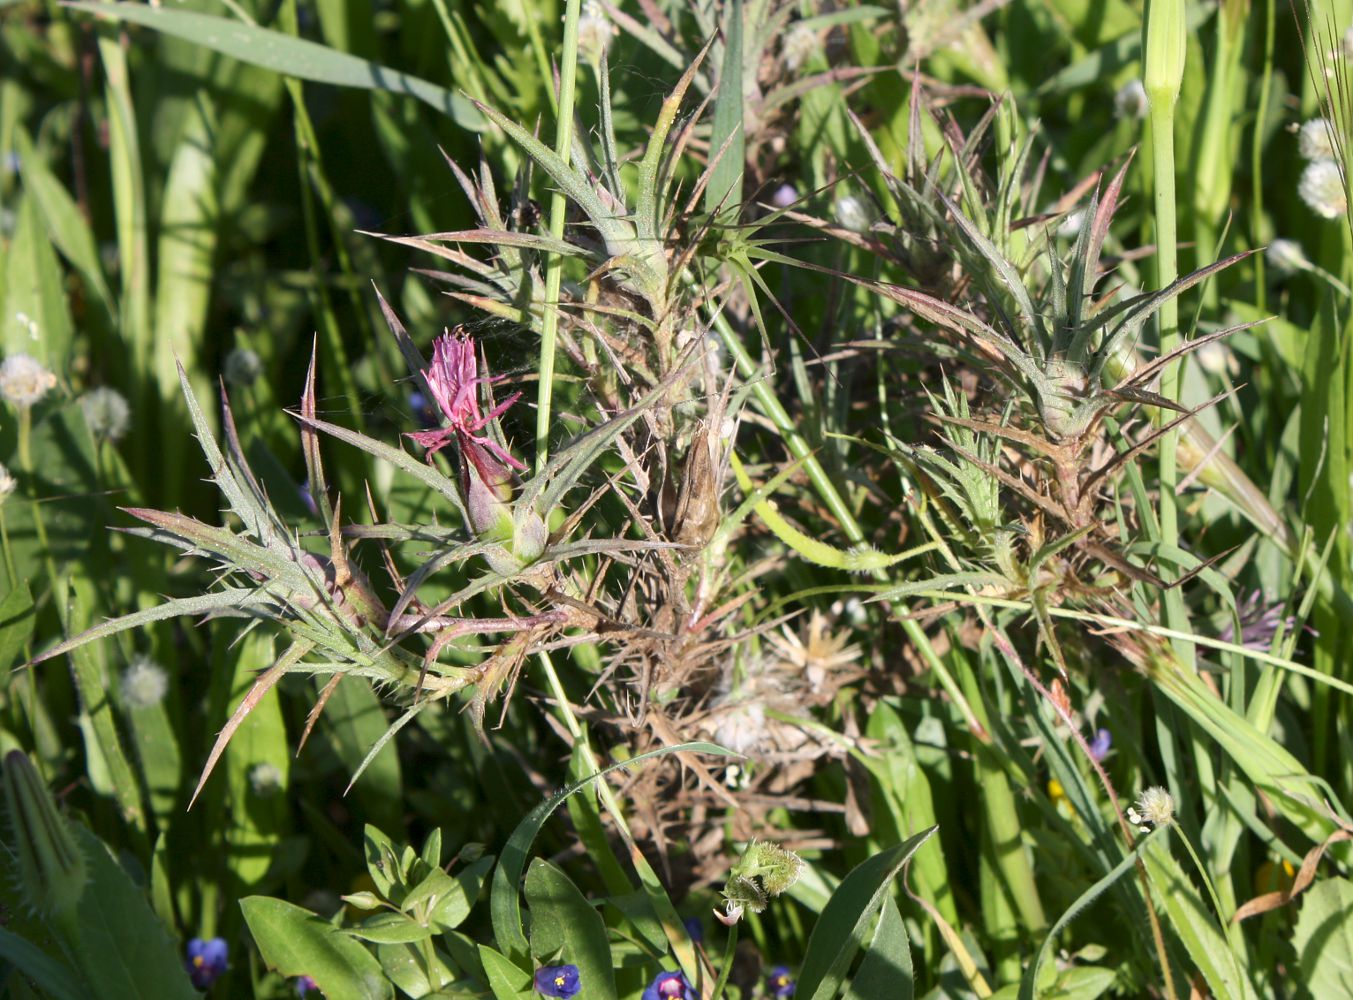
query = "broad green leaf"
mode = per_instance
[
  {"x": 407, "y": 967},
  {"x": 296, "y": 942},
  {"x": 840, "y": 929},
  {"x": 1029, "y": 983},
  {"x": 66, "y": 226},
  {"x": 16, "y": 624},
  {"x": 44, "y": 971},
  {"x": 505, "y": 903},
  {"x": 506, "y": 979},
  {"x": 886, "y": 969},
  {"x": 1324, "y": 938},
  {"x": 287, "y": 55},
  {"x": 34, "y": 319},
  {"x": 124, "y": 949},
  {"x": 391, "y": 928},
  {"x": 564, "y": 925},
  {"x": 1194, "y": 924}
]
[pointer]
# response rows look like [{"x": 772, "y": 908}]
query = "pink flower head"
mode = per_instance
[{"x": 454, "y": 380}]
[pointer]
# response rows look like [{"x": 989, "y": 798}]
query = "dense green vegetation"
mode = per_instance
[{"x": 924, "y": 434}]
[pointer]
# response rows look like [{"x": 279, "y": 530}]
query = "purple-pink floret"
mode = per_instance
[{"x": 454, "y": 380}]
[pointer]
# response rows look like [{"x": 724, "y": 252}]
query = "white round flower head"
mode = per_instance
[
  {"x": 1131, "y": 101},
  {"x": 242, "y": 367},
  {"x": 144, "y": 683},
  {"x": 106, "y": 413},
  {"x": 1322, "y": 188},
  {"x": 1286, "y": 257},
  {"x": 1315, "y": 140},
  {"x": 851, "y": 213},
  {"x": 1070, "y": 226},
  {"x": 799, "y": 45},
  {"x": 1214, "y": 358},
  {"x": 7, "y": 483},
  {"x": 1155, "y": 807},
  {"x": 265, "y": 779},
  {"x": 595, "y": 32},
  {"x": 23, "y": 380}
]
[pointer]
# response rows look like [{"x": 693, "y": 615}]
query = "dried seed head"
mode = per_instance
[
  {"x": 24, "y": 380},
  {"x": 1131, "y": 101},
  {"x": 1322, "y": 188},
  {"x": 144, "y": 683},
  {"x": 106, "y": 412},
  {"x": 1315, "y": 140}
]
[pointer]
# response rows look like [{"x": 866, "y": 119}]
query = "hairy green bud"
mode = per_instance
[{"x": 50, "y": 864}]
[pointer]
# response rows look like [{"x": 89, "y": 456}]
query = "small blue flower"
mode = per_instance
[
  {"x": 1099, "y": 746},
  {"x": 558, "y": 981},
  {"x": 304, "y": 985},
  {"x": 207, "y": 961},
  {"x": 695, "y": 930},
  {"x": 669, "y": 986},
  {"x": 780, "y": 982}
]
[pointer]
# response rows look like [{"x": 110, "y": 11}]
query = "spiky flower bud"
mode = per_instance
[
  {"x": 144, "y": 683},
  {"x": 24, "y": 380},
  {"x": 1315, "y": 140},
  {"x": 242, "y": 367},
  {"x": 1286, "y": 257},
  {"x": 106, "y": 413},
  {"x": 764, "y": 871},
  {"x": 1322, "y": 188},
  {"x": 1155, "y": 807},
  {"x": 1130, "y": 101},
  {"x": 50, "y": 864}
]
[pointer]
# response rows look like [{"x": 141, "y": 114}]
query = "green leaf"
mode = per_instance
[
  {"x": 507, "y": 981},
  {"x": 724, "y": 191},
  {"x": 354, "y": 721},
  {"x": 839, "y": 931},
  {"x": 296, "y": 942},
  {"x": 886, "y": 968},
  {"x": 505, "y": 904},
  {"x": 1194, "y": 924},
  {"x": 16, "y": 624},
  {"x": 450, "y": 912},
  {"x": 66, "y": 226},
  {"x": 45, "y": 972},
  {"x": 124, "y": 949},
  {"x": 1324, "y": 938},
  {"x": 1028, "y": 985},
  {"x": 391, "y": 928},
  {"x": 289, "y": 56},
  {"x": 259, "y": 820},
  {"x": 35, "y": 319},
  {"x": 564, "y": 924}
]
